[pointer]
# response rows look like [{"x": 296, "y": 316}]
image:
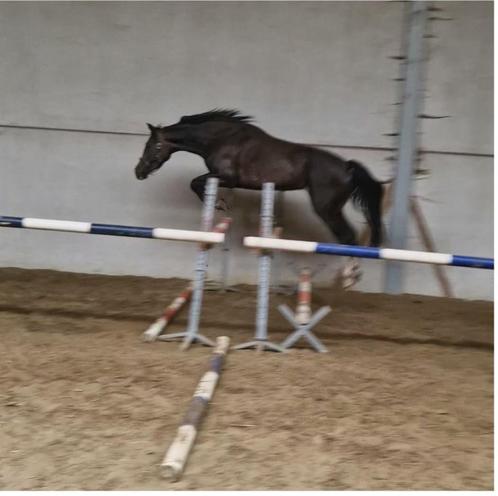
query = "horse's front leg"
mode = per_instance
[{"x": 198, "y": 186}]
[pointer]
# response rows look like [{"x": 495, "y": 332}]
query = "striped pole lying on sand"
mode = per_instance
[
  {"x": 112, "y": 229},
  {"x": 177, "y": 454},
  {"x": 368, "y": 252},
  {"x": 168, "y": 315}
]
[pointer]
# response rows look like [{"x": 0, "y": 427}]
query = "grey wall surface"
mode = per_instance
[{"x": 314, "y": 72}]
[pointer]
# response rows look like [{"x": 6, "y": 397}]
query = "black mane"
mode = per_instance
[{"x": 229, "y": 115}]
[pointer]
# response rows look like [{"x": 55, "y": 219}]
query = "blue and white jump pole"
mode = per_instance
[
  {"x": 368, "y": 252},
  {"x": 111, "y": 229},
  {"x": 266, "y": 244},
  {"x": 206, "y": 238}
]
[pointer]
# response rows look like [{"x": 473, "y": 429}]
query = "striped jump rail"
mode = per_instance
[
  {"x": 153, "y": 331},
  {"x": 369, "y": 252},
  {"x": 112, "y": 229},
  {"x": 206, "y": 237},
  {"x": 176, "y": 457},
  {"x": 303, "y": 309}
]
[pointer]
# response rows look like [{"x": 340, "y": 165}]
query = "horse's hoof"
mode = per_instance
[
  {"x": 349, "y": 282},
  {"x": 352, "y": 270},
  {"x": 351, "y": 275}
]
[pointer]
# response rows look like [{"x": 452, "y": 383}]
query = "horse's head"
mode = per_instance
[{"x": 158, "y": 150}]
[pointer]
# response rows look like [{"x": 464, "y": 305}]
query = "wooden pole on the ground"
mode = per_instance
[
  {"x": 168, "y": 315},
  {"x": 177, "y": 454}
]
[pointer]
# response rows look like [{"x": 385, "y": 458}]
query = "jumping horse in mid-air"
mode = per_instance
[{"x": 241, "y": 155}]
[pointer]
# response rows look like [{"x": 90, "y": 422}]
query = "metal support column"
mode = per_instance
[
  {"x": 192, "y": 332},
  {"x": 261, "y": 341},
  {"x": 412, "y": 97}
]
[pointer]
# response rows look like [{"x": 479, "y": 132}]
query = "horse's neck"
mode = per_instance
[
  {"x": 191, "y": 139},
  {"x": 203, "y": 139}
]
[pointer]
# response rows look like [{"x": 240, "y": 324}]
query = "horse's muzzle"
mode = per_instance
[{"x": 140, "y": 172}]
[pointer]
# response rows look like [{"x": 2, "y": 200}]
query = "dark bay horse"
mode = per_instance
[{"x": 242, "y": 155}]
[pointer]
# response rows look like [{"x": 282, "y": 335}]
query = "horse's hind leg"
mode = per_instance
[
  {"x": 327, "y": 203},
  {"x": 345, "y": 234},
  {"x": 341, "y": 228},
  {"x": 330, "y": 211}
]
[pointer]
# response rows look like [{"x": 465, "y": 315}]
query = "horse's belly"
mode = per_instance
[{"x": 282, "y": 175}]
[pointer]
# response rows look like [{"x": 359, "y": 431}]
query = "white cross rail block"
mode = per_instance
[{"x": 304, "y": 320}]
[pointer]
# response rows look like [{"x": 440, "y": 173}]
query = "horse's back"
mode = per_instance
[
  {"x": 254, "y": 157},
  {"x": 267, "y": 159}
]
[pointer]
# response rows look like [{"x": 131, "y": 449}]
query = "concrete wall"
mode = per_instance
[{"x": 312, "y": 72}]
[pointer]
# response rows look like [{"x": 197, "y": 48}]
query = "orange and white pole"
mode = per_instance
[
  {"x": 303, "y": 310},
  {"x": 168, "y": 315}
]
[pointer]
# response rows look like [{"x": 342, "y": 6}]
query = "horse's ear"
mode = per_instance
[{"x": 152, "y": 128}]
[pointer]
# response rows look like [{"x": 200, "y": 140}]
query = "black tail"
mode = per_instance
[{"x": 367, "y": 194}]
